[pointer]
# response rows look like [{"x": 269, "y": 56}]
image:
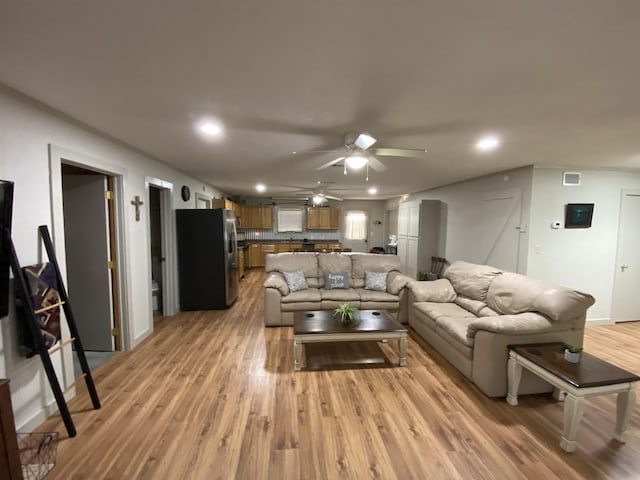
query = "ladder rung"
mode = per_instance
[
  {"x": 50, "y": 307},
  {"x": 55, "y": 348},
  {"x": 74, "y": 383}
]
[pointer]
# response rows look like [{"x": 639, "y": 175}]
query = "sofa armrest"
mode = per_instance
[
  {"x": 519, "y": 324},
  {"x": 440, "y": 291},
  {"x": 396, "y": 281},
  {"x": 276, "y": 280}
]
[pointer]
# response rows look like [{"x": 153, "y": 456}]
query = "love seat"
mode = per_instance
[
  {"x": 475, "y": 311},
  {"x": 280, "y": 303}
]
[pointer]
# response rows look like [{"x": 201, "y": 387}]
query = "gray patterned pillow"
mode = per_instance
[
  {"x": 336, "y": 280},
  {"x": 375, "y": 281},
  {"x": 295, "y": 280}
]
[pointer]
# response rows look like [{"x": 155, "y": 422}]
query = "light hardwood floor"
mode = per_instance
[{"x": 214, "y": 395}]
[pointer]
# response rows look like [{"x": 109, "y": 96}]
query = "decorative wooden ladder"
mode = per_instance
[{"x": 30, "y": 315}]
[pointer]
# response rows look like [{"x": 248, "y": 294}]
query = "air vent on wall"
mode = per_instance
[{"x": 571, "y": 179}]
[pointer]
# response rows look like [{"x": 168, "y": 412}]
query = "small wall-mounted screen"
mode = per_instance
[
  {"x": 6, "y": 209},
  {"x": 578, "y": 215}
]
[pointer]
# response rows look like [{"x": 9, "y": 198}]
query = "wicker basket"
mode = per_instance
[{"x": 37, "y": 453}]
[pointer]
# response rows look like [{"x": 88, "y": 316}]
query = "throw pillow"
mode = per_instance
[
  {"x": 375, "y": 281},
  {"x": 295, "y": 280},
  {"x": 336, "y": 280}
]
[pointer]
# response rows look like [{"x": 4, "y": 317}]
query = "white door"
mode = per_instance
[
  {"x": 412, "y": 257},
  {"x": 499, "y": 235},
  {"x": 402, "y": 253},
  {"x": 626, "y": 302},
  {"x": 87, "y": 253}
]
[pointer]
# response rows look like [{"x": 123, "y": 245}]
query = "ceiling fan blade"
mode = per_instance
[
  {"x": 399, "y": 152},
  {"x": 331, "y": 197},
  {"x": 364, "y": 141},
  {"x": 332, "y": 162},
  {"x": 376, "y": 164}
]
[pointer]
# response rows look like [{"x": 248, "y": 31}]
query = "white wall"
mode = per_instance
[
  {"x": 464, "y": 216},
  {"x": 26, "y": 131},
  {"x": 584, "y": 259}
]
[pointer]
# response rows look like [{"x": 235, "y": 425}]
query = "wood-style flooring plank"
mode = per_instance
[{"x": 213, "y": 395}]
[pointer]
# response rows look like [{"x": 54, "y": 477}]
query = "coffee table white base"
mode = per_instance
[
  {"x": 299, "y": 339},
  {"x": 574, "y": 398}
]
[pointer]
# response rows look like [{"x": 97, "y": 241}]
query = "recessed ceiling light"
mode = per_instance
[
  {"x": 210, "y": 128},
  {"x": 373, "y": 191},
  {"x": 356, "y": 161},
  {"x": 486, "y": 144},
  {"x": 261, "y": 187}
]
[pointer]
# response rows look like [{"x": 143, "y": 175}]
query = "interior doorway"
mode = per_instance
[
  {"x": 157, "y": 251},
  {"x": 90, "y": 252},
  {"x": 626, "y": 303}
]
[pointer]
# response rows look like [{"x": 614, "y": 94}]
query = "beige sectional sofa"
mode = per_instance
[
  {"x": 280, "y": 303},
  {"x": 475, "y": 311}
]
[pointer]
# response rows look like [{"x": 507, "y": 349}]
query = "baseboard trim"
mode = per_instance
[{"x": 600, "y": 321}]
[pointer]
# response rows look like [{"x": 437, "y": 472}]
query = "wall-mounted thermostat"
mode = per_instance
[{"x": 555, "y": 225}]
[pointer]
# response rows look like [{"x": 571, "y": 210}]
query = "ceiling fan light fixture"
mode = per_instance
[
  {"x": 318, "y": 199},
  {"x": 373, "y": 191},
  {"x": 356, "y": 162},
  {"x": 261, "y": 187},
  {"x": 364, "y": 141}
]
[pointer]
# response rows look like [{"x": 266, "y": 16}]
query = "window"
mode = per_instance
[
  {"x": 355, "y": 225},
  {"x": 290, "y": 219}
]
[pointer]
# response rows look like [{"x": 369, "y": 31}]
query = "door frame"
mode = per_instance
[
  {"x": 616, "y": 275},
  {"x": 167, "y": 230},
  {"x": 57, "y": 156}
]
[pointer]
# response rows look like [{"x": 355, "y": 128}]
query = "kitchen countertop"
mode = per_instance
[{"x": 292, "y": 241}]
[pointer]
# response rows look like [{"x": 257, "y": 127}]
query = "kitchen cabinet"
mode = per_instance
[
  {"x": 240, "y": 263},
  {"x": 256, "y": 216},
  {"x": 223, "y": 203},
  {"x": 323, "y": 218},
  {"x": 264, "y": 250},
  {"x": 254, "y": 255},
  {"x": 419, "y": 226}
]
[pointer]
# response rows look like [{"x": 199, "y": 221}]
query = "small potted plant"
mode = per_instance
[
  {"x": 347, "y": 314},
  {"x": 572, "y": 353}
]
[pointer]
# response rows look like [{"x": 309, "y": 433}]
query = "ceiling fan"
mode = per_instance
[
  {"x": 318, "y": 195},
  {"x": 359, "y": 153}
]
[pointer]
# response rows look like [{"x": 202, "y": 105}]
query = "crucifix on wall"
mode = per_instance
[{"x": 136, "y": 203}]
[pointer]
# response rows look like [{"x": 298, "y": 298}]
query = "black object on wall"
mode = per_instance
[
  {"x": 207, "y": 258},
  {"x": 6, "y": 211}
]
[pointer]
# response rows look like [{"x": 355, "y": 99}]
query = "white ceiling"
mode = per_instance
[{"x": 558, "y": 80}]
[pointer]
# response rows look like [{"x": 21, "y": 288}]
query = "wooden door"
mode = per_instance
[
  {"x": 626, "y": 302},
  {"x": 87, "y": 249},
  {"x": 335, "y": 219},
  {"x": 254, "y": 255},
  {"x": 325, "y": 218},
  {"x": 313, "y": 218},
  {"x": 266, "y": 217}
]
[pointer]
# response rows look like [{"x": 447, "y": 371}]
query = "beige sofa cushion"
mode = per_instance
[
  {"x": 513, "y": 293},
  {"x": 302, "y": 296},
  {"x": 478, "y": 308},
  {"x": 471, "y": 280},
  {"x": 333, "y": 263},
  {"x": 340, "y": 295},
  {"x": 457, "y": 327},
  {"x": 520, "y": 324},
  {"x": 364, "y": 262},
  {"x": 290, "y": 262},
  {"x": 376, "y": 296},
  {"x": 437, "y": 291},
  {"x": 436, "y": 310}
]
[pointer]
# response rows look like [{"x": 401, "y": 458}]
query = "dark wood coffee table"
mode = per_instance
[
  {"x": 323, "y": 326},
  {"x": 592, "y": 376}
]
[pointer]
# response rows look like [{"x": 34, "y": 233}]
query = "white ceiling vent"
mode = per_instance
[{"x": 571, "y": 179}]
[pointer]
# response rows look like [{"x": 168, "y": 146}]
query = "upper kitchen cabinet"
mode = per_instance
[
  {"x": 323, "y": 218},
  {"x": 256, "y": 216}
]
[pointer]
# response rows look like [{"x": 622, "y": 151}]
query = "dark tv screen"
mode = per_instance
[{"x": 6, "y": 209}]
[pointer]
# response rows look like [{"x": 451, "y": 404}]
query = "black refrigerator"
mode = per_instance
[{"x": 207, "y": 258}]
